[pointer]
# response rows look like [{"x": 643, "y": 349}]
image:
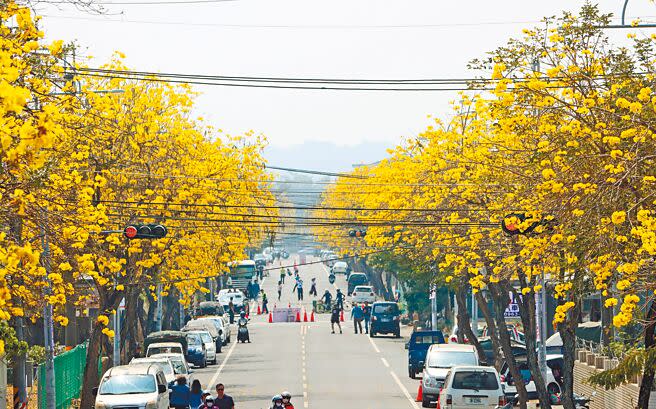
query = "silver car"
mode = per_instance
[{"x": 440, "y": 358}]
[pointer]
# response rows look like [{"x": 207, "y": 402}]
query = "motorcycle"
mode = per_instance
[
  {"x": 331, "y": 278},
  {"x": 242, "y": 331},
  {"x": 581, "y": 402}
]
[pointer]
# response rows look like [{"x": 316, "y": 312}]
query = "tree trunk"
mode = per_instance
[
  {"x": 491, "y": 330},
  {"x": 567, "y": 332},
  {"x": 130, "y": 323},
  {"x": 526, "y": 305},
  {"x": 464, "y": 321},
  {"x": 648, "y": 373},
  {"x": 91, "y": 377},
  {"x": 152, "y": 311},
  {"x": 501, "y": 300}
]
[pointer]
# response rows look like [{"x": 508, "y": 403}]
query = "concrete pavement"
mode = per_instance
[{"x": 320, "y": 369}]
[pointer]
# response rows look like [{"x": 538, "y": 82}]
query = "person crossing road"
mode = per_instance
[
  {"x": 357, "y": 314},
  {"x": 334, "y": 318}
]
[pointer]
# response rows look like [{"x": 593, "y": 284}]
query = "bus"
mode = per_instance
[{"x": 241, "y": 273}]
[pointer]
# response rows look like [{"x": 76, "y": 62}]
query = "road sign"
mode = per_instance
[{"x": 512, "y": 311}]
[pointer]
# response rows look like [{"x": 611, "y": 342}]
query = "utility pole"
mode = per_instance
[
  {"x": 542, "y": 327},
  {"x": 158, "y": 327},
  {"x": 48, "y": 327},
  {"x": 474, "y": 322},
  {"x": 433, "y": 299}
]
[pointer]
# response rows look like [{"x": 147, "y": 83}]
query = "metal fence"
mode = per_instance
[{"x": 69, "y": 370}]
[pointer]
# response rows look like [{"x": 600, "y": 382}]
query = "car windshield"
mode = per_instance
[
  {"x": 128, "y": 384},
  {"x": 207, "y": 338},
  {"x": 165, "y": 365},
  {"x": 476, "y": 380},
  {"x": 164, "y": 350},
  {"x": 179, "y": 367},
  {"x": 427, "y": 340},
  {"x": 193, "y": 339},
  {"x": 363, "y": 289},
  {"x": 386, "y": 309},
  {"x": 447, "y": 359}
]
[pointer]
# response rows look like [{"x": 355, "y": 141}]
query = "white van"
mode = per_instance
[
  {"x": 472, "y": 387},
  {"x": 165, "y": 348},
  {"x": 138, "y": 385},
  {"x": 440, "y": 358}
]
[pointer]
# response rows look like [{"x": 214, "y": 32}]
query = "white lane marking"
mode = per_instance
[
  {"x": 304, "y": 378},
  {"x": 385, "y": 362},
  {"x": 374, "y": 345},
  {"x": 218, "y": 371},
  {"x": 404, "y": 390}
]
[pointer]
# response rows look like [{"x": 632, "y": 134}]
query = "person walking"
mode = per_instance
[
  {"x": 265, "y": 303},
  {"x": 223, "y": 401},
  {"x": 195, "y": 395},
  {"x": 326, "y": 298},
  {"x": 339, "y": 298},
  {"x": 298, "y": 287},
  {"x": 279, "y": 290},
  {"x": 282, "y": 275},
  {"x": 180, "y": 395},
  {"x": 358, "y": 315},
  {"x": 366, "y": 310},
  {"x": 334, "y": 318},
  {"x": 231, "y": 311},
  {"x": 313, "y": 287}
]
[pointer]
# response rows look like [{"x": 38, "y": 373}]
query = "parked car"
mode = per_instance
[
  {"x": 439, "y": 359},
  {"x": 553, "y": 381},
  {"x": 223, "y": 326},
  {"x": 196, "y": 352},
  {"x": 180, "y": 365},
  {"x": 472, "y": 387},
  {"x": 165, "y": 363},
  {"x": 385, "y": 319},
  {"x": 260, "y": 260},
  {"x": 208, "y": 342},
  {"x": 517, "y": 348},
  {"x": 356, "y": 279},
  {"x": 340, "y": 267},
  {"x": 138, "y": 386},
  {"x": 166, "y": 348},
  {"x": 237, "y": 296},
  {"x": 417, "y": 347},
  {"x": 206, "y": 325},
  {"x": 363, "y": 293}
]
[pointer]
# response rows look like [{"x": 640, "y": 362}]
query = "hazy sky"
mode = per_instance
[{"x": 374, "y": 39}]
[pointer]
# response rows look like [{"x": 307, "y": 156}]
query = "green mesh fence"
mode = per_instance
[{"x": 69, "y": 370}]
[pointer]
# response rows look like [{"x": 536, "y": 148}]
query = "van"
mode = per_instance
[
  {"x": 385, "y": 318},
  {"x": 356, "y": 279},
  {"x": 138, "y": 385},
  {"x": 472, "y": 387},
  {"x": 440, "y": 358}
]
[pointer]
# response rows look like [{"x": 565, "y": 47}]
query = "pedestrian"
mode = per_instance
[
  {"x": 265, "y": 303},
  {"x": 282, "y": 275},
  {"x": 231, "y": 310},
  {"x": 313, "y": 288},
  {"x": 298, "y": 287},
  {"x": 279, "y": 290},
  {"x": 295, "y": 268},
  {"x": 358, "y": 315},
  {"x": 223, "y": 401},
  {"x": 327, "y": 297},
  {"x": 180, "y": 395},
  {"x": 287, "y": 400},
  {"x": 249, "y": 290},
  {"x": 367, "y": 316},
  {"x": 334, "y": 318},
  {"x": 339, "y": 298},
  {"x": 195, "y": 396}
]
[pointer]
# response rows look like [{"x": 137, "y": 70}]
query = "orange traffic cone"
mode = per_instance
[
  {"x": 420, "y": 393},
  {"x": 298, "y": 316},
  {"x": 305, "y": 316},
  {"x": 341, "y": 316},
  {"x": 259, "y": 311},
  {"x": 312, "y": 316},
  {"x": 270, "y": 317}
]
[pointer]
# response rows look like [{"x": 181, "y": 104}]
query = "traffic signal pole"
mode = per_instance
[{"x": 48, "y": 327}]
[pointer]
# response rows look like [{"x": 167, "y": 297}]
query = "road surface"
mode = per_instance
[{"x": 320, "y": 369}]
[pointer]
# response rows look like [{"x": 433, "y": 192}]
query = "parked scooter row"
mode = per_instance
[{"x": 580, "y": 402}]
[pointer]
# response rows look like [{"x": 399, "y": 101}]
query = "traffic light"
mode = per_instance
[
  {"x": 144, "y": 231},
  {"x": 357, "y": 233},
  {"x": 511, "y": 224}
]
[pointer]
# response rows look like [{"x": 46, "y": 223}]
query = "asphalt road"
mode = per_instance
[{"x": 320, "y": 369}]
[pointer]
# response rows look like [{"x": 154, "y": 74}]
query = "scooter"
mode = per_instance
[
  {"x": 331, "y": 278},
  {"x": 242, "y": 331}
]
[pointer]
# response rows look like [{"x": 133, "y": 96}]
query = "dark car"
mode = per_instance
[
  {"x": 196, "y": 353},
  {"x": 385, "y": 319},
  {"x": 518, "y": 349},
  {"x": 355, "y": 280},
  {"x": 417, "y": 347}
]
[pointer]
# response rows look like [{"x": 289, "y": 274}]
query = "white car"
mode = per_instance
[
  {"x": 472, "y": 387},
  {"x": 223, "y": 322},
  {"x": 440, "y": 358},
  {"x": 554, "y": 363},
  {"x": 165, "y": 348},
  {"x": 164, "y": 362},
  {"x": 340, "y": 267},
  {"x": 135, "y": 386},
  {"x": 180, "y": 365},
  {"x": 237, "y": 296},
  {"x": 208, "y": 341},
  {"x": 363, "y": 293}
]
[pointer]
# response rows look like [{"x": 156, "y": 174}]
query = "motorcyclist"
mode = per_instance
[
  {"x": 327, "y": 298},
  {"x": 209, "y": 403},
  {"x": 339, "y": 298},
  {"x": 276, "y": 402},
  {"x": 313, "y": 287},
  {"x": 287, "y": 400},
  {"x": 243, "y": 321}
]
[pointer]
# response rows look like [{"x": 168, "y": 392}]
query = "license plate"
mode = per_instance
[
  {"x": 385, "y": 320},
  {"x": 475, "y": 401}
]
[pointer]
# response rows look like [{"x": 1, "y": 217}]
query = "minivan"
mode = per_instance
[
  {"x": 472, "y": 387},
  {"x": 439, "y": 359},
  {"x": 356, "y": 279},
  {"x": 385, "y": 319},
  {"x": 138, "y": 385}
]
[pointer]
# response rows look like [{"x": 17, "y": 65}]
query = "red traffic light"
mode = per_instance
[{"x": 130, "y": 232}]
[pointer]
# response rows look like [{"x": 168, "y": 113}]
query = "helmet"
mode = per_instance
[
  {"x": 275, "y": 398},
  {"x": 242, "y": 314},
  {"x": 209, "y": 399},
  {"x": 286, "y": 394}
]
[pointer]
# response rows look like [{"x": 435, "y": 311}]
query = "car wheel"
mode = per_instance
[
  {"x": 411, "y": 374},
  {"x": 204, "y": 363},
  {"x": 425, "y": 403},
  {"x": 372, "y": 334}
]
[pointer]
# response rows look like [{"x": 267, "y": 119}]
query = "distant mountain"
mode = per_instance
[{"x": 316, "y": 155}]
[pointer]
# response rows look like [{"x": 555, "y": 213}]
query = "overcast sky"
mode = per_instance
[{"x": 309, "y": 38}]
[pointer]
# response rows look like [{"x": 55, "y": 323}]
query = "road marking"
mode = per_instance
[
  {"x": 304, "y": 378},
  {"x": 223, "y": 363},
  {"x": 404, "y": 390},
  {"x": 385, "y": 362},
  {"x": 374, "y": 345}
]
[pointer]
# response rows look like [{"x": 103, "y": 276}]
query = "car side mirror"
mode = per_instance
[
  {"x": 94, "y": 391},
  {"x": 407, "y": 346},
  {"x": 162, "y": 388},
  {"x": 190, "y": 371}
]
